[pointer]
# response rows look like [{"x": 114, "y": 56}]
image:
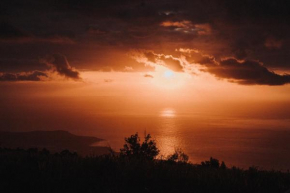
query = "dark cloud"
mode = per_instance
[
  {"x": 151, "y": 57},
  {"x": 244, "y": 29},
  {"x": 28, "y": 76},
  {"x": 96, "y": 31},
  {"x": 247, "y": 72},
  {"x": 11, "y": 34},
  {"x": 148, "y": 76},
  {"x": 8, "y": 31},
  {"x": 60, "y": 64},
  {"x": 57, "y": 63},
  {"x": 172, "y": 63},
  {"x": 273, "y": 43}
]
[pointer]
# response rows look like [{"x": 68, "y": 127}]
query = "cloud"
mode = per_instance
[
  {"x": 247, "y": 72},
  {"x": 172, "y": 63},
  {"x": 53, "y": 39},
  {"x": 152, "y": 59},
  {"x": 11, "y": 34},
  {"x": 7, "y": 31},
  {"x": 184, "y": 26},
  {"x": 177, "y": 24},
  {"x": 148, "y": 76},
  {"x": 96, "y": 31},
  {"x": 128, "y": 68},
  {"x": 151, "y": 56},
  {"x": 28, "y": 76},
  {"x": 203, "y": 29},
  {"x": 108, "y": 80},
  {"x": 273, "y": 43},
  {"x": 188, "y": 27},
  {"x": 221, "y": 28},
  {"x": 59, "y": 64},
  {"x": 195, "y": 56}
]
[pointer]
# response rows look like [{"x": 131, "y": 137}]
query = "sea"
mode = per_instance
[{"x": 239, "y": 141}]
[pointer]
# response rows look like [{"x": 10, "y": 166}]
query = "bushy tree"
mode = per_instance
[
  {"x": 213, "y": 163},
  {"x": 223, "y": 165},
  {"x": 178, "y": 156},
  {"x": 133, "y": 148}
]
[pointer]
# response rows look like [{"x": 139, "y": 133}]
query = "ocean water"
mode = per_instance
[{"x": 237, "y": 140}]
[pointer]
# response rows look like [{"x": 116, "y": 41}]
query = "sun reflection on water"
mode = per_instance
[{"x": 168, "y": 137}]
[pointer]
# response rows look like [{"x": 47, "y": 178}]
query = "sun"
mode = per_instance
[
  {"x": 168, "y": 74},
  {"x": 168, "y": 79}
]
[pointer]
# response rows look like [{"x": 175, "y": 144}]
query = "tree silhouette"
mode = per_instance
[
  {"x": 178, "y": 156},
  {"x": 134, "y": 149},
  {"x": 213, "y": 163}
]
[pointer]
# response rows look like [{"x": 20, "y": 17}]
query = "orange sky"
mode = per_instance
[
  {"x": 131, "y": 92},
  {"x": 215, "y": 57}
]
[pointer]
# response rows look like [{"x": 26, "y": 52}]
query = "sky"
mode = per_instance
[{"x": 138, "y": 56}]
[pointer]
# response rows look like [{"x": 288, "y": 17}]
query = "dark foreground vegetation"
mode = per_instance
[{"x": 134, "y": 170}]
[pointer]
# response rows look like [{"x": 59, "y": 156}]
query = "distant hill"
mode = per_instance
[{"x": 54, "y": 141}]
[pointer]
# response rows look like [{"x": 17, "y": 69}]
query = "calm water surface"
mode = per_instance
[{"x": 239, "y": 141}]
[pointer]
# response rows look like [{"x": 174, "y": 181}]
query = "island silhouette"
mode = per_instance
[{"x": 54, "y": 141}]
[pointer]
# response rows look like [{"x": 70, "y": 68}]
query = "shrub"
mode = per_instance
[
  {"x": 178, "y": 156},
  {"x": 133, "y": 148},
  {"x": 213, "y": 163}
]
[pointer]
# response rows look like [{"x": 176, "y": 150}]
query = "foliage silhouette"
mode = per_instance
[
  {"x": 213, "y": 163},
  {"x": 178, "y": 156},
  {"x": 133, "y": 148},
  {"x": 40, "y": 171},
  {"x": 23, "y": 171}
]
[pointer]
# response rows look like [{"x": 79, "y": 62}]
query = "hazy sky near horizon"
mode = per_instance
[{"x": 214, "y": 56}]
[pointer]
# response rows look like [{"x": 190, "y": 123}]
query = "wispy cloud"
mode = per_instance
[
  {"x": 24, "y": 76},
  {"x": 148, "y": 76},
  {"x": 59, "y": 64}
]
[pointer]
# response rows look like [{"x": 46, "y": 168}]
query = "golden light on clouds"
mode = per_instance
[{"x": 181, "y": 24}]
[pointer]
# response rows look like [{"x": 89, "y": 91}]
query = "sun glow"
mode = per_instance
[
  {"x": 168, "y": 74},
  {"x": 167, "y": 113},
  {"x": 166, "y": 78}
]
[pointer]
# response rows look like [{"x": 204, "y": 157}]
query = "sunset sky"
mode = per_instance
[{"x": 139, "y": 57}]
